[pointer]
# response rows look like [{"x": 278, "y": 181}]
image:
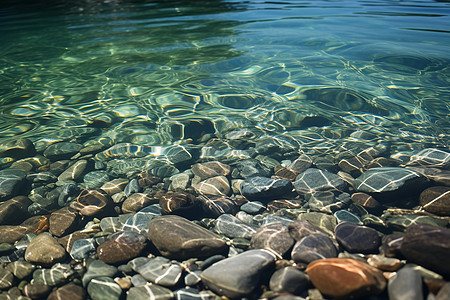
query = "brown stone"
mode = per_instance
[
  {"x": 216, "y": 186},
  {"x": 210, "y": 169},
  {"x": 69, "y": 291},
  {"x": 285, "y": 173},
  {"x": 14, "y": 211},
  {"x": 345, "y": 278},
  {"x": 44, "y": 250},
  {"x": 115, "y": 186},
  {"x": 93, "y": 203},
  {"x": 436, "y": 200},
  {"x": 146, "y": 179},
  {"x": 36, "y": 291},
  {"x": 383, "y": 263},
  {"x": 173, "y": 201},
  {"x": 121, "y": 246},
  {"x": 68, "y": 240},
  {"x": 366, "y": 201},
  {"x": 63, "y": 221},
  {"x": 137, "y": 201}
]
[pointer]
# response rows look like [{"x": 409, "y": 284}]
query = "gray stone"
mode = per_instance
[
  {"x": 238, "y": 276},
  {"x": 313, "y": 180},
  {"x": 83, "y": 248},
  {"x": 265, "y": 189},
  {"x": 44, "y": 250},
  {"x": 20, "y": 268},
  {"x": 132, "y": 187},
  {"x": 179, "y": 238},
  {"x": 289, "y": 280},
  {"x": 158, "y": 270},
  {"x": 62, "y": 150},
  {"x": 104, "y": 288},
  {"x": 12, "y": 182},
  {"x": 357, "y": 238},
  {"x": 95, "y": 179},
  {"x": 253, "y": 207},
  {"x": 300, "y": 229},
  {"x": 312, "y": 247},
  {"x": 431, "y": 157},
  {"x": 232, "y": 227},
  {"x": 247, "y": 168},
  {"x": 406, "y": 284},
  {"x": 6, "y": 279},
  {"x": 97, "y": 268},
  {"x": 346, "y": 216},
  {"x": 57, "y": 275},
  {"x": 17, "y": 148},
  {"x": 140, "y": 220},
  {"x": 150, "y": 291},
  {"x": 74, "y": 171}
]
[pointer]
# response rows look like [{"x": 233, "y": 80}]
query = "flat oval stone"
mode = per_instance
[
  {"x": 232, "y": 227},
  {"x": 238, "y": 276},
  {"x": 253, "y": 207},
  {"x": 121, "y": 247},
  {"x": 14, "y": 210},
  {"x": 69, "y": 291},
  {"x": 63, "y": 221},
  {"x": 345, "y": 278},
  {"x": 62, "y": 150},
  {"x": 83, "y": 248},
  {"x": 174, "y": 201},
  {"x": 313, "y": 180},
  {"x": 95, "y": 179},
  {"x": 158, "y": 270},
  {"x": 74, "y": 171},
  {"x": 216, "y": 186},
  {"x": 17, "y": 149},
  {"x": 274, "y": 237},
  {"x": 44, "y": 250},
  {"x": 356, "y": 238},
  {"x": 178, "y": 238},
  {"x": 390, "y": 182},
  {"x": 218, "y": 205},
  {"x": 406, "y": 284},
  {"x": 104, "y": 288},
  {"x": 56, "y": 275},
  {"x": 325, "y": 222},
  {"x": 115, "y": 186},
  {"x": 210, "y": 169},
  {"x": 11, "y": 182},
  {"x": 137, "y": 201},
  {"x": 98, "y": 268},
  {"x": 149, "y": 291},
  {"x": 289, "y": 280},
  {"x": 139, "y": 221},
  {"x": 427, "y": 246},
  {"x": 300, "y": 229},
  {"x": 264, "y": 188},
  {"x": 21, "y": 268},
  {"x": 436, "y": 200},
  {"x": 36, "y": 291},
  {"x": 312, "y": 247}
]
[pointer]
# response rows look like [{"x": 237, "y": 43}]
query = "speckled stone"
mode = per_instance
[
  {"x": 179, "y": 238},
  {"x": 121, "y": 247},
  {"x": 345, "y": 278},
  {"x": 44, "y": 250},
  {"x": 239, "y": 275}
]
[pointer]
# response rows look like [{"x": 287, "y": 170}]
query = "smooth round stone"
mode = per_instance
[
  {"x": 95, "y": 179},
  {"x": 215, "y": 206},
  {"x": 345, "y": 278},
  {"x": 406, "y": 284},
  {"x": 11, "y": 182},
  {"x": 63, "y": 150},
  {"x": 158, "y": 270},
  {"x": 444, "y": 292},
  {"x": 436, "y": 200},
  {"x": 113, "y": 224},
  {"x": 193, "y": 278},
  {"x": 139, "y": 221},
  {"x": 92, "y": 203},
  {"x": 14, "y": 210},
  {"x": 253, "y": 207},
  {"x": 300, "y": 229},
  {"x": 312, "y": 247},
  {"x": 383, "y": 263},
  {"x": 193, "y": 294},
  {"x": 97, "y": 268},
  {"x": 210, "y": 169},
  {"x": 21, "y": 268},
  {"x": 325, "y": 222},
  {"x": 136, "y": 202},
  {"x": 346, "y": 216},
  {"x": 104, "y": 288},
  {"x": 6, "y": 279},
  {"x": 149, "y": 291},
  {"x": 251, "y": 168},
  {"x": 74, "y": 171},
  {"x": 232, "y": 227},
  {"x": 132, "y": 187},
  {"x": 390, "y": 183},
  {"x": 83, "y": 248},
  {"x": 57, "y": 275},
  {"x": 238, "y": 276},
  {"x": 390, "y": 245},
  {"x": 428, "y": 246},
  {"x": 179, "y": 182},
  {"x": 431, "y": 157},
  {"x": 179, "y": 155},
  {"x": 357, "y": 239},
  {"x": 366, "y": 201},
  {"x": 215, "y": 186},
  {"x": 63, "y": 221},
  {"x": 289, "y": 280},
  {"x": 274, "y": 237},
  {"x": 68, "y": 240},
  {"x": 301, "y": 164},
  {"x": 36, "y": 291},
  {"x": 42, "y": 177},
  {"x": 115, "y": 186},
  {"x": 285, "y": 173},
  {"x": 178, "y": 238},
  {"x": 69, "y": 291},
  {"x": 121, "y": 247},
  {"x": 175, "y": 201},
  {"x": 69, "y": 192},
  {"x": 17, "y": 149},
  {"x": 44, "y": 250},
  {"x": 246, "y": 218},
  {"x": 264, "y": 188},
  {"x": 313, "y": 180}
]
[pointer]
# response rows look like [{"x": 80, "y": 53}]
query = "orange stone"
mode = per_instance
[{"x": 345, "y": 278}]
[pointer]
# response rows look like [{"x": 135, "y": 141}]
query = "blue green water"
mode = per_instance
[{"x": 159, "y": 72}]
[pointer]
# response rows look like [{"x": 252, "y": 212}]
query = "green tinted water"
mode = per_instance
[{"x": 158, "y": 72}]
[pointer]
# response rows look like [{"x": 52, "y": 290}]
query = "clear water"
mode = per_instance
[{"x": 159, "y": 72}]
